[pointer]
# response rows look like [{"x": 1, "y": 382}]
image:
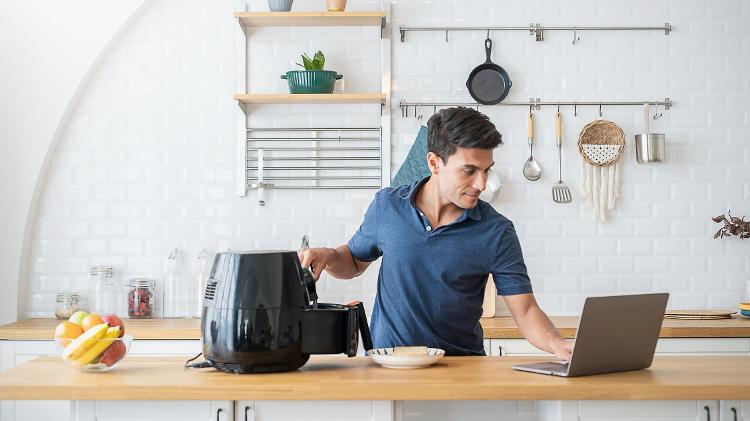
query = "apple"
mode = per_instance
[
  {"x": 78, "y": 317},
  {"x": 113, "y": 354},
  {"x": 113, "y": 321}
]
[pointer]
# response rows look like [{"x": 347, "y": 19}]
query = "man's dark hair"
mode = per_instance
[{"x": 460, "y": 127}]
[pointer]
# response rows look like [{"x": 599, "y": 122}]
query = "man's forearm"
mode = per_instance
[
  {"x": 343, "y": 265},
  {"x": 538, "y": 329}
]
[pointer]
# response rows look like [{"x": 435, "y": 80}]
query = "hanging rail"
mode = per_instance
[
  {"x": 277, "y": 160},
  {"x": 535, "y": 29},
  {"x": 534, "y": 103}
]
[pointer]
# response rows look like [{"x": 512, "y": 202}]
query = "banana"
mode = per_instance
[
  {"x": 100, "y": 346},
  {"x": 82, "y": 343}
]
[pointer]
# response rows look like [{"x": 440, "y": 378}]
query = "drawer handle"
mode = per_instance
[
  {"x": 734, "y": 413},
  {"x": 708, "y": 413},
  {"x": 218, "y": 413},
  {"x": 247, "y": 408}
]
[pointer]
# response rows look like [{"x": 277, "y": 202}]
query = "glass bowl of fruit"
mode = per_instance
[{"x": 92, "y": 342}]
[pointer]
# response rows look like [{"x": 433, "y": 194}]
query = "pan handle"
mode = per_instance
[{"x": 488, "y": 49}]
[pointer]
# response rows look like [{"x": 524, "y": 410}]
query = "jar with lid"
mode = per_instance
[
  {"x": 67, "y": 303},
  {"x": 141, "y": 298},
  {"x": 103, "y": 291}
]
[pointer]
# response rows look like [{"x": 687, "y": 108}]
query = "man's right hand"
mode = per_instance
[
  {"x": 317, "y": 259},
  {"x": 338, "y": 262}
]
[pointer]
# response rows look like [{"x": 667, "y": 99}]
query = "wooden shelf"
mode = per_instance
[
  {"x": 363, "y": 98},
  {"x": 311, "y": 18}
]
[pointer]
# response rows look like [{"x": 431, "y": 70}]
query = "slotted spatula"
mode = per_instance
[{"x": 560, "y": 191}]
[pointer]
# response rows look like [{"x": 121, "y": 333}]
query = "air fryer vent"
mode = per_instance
[{"x": 210, "y": 290}]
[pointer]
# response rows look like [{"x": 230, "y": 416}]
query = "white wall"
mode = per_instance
[
  {"x": 47, "y": 49},
  {"x": 145, "y": 162}
]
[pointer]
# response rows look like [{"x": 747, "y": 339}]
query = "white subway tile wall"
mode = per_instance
[{"x": 145, "y": 163}]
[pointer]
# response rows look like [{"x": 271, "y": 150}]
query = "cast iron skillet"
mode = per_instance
[{"x": 488, "y": 83}]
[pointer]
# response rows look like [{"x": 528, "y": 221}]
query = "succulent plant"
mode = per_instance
[
  {"x": 315, "y": 63},
  {"x": 732, "y": 226}
]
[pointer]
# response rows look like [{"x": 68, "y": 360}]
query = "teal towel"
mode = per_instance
[{"x": 414, "y": 167}]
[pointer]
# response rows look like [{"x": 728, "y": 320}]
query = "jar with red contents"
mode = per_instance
[{"x": 141, "y": 298}]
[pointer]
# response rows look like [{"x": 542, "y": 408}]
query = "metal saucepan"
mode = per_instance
[{"x": 488, "y": 83}]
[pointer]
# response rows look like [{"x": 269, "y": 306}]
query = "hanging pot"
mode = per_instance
[
  {"x": 488, "y": 83},
  {"x": 649, "y": 147}
]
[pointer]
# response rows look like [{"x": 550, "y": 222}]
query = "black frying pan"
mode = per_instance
[{"x": 488, "y": 83}]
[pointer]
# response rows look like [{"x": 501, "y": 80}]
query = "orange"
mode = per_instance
[
  {"x": 90, "y": 321},
  {"x": 67, "y": 331}
]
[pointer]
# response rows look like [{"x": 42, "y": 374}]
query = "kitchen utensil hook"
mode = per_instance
[
  {"x": 576, "y": 38},
  {"x": 600, "y": 111},
  {"x": 419, "y": 117},
  {"x": 575, "y": 110},
  {"x": 446, "y": 35},
  {"x": 657, "y": 113}
]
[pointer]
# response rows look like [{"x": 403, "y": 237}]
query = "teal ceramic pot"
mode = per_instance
[{"x": 311, "y": 81}]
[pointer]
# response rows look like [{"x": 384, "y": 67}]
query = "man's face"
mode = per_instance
[{"x": 463, "y": 176}]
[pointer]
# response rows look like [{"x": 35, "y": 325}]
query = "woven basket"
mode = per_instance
[{"x": 601, "y": 143}]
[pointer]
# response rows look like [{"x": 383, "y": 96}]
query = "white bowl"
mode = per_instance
[{"x": 386, "y": 358}]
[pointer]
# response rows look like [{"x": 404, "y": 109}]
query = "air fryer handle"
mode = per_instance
[{"x": 364, "y": 328}]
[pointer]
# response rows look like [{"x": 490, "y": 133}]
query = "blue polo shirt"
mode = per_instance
[{"x": 431, "y": 281}]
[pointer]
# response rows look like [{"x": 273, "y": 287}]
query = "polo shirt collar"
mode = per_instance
[{"x": 473, "y": 213}]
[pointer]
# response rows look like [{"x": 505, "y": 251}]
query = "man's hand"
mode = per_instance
[
  {"x": 317, "y": 259},
  {"x": 338, "y": 262},
  {"x": 563, "y": 349},
  {"x": 536, "y": 326}
]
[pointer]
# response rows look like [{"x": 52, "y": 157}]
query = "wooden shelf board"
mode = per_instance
[
  {"x": 354, "y": 98},
  {"x": 310, "y": 18}
]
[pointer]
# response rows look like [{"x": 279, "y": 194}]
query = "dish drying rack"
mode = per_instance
[{"x": 313, "y": 158}]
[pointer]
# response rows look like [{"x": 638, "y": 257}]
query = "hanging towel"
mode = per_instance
[{"x": 414, "y": 167}]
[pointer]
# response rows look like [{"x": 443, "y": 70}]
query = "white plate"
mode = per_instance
[{"x": 385, "y": 357}]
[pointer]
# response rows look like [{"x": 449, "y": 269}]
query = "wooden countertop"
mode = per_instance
[
  {"x": 39, "y": 329},
  {"x": 341, "y": 378},
  {"x": 736, "y": 327},
  {"x": 494, "y": 328}
]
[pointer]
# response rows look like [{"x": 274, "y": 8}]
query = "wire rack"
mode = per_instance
[{"x": 313, "y": 158}]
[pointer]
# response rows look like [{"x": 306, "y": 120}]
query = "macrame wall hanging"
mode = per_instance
[{"x": 601, "y": 144}]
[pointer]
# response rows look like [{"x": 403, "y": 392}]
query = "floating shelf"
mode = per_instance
[
  {"x": 311, "y": 18},
  {"x": 364, "y": 98}
]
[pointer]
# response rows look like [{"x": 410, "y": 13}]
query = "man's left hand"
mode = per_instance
[{"x": 562, "y": 348}]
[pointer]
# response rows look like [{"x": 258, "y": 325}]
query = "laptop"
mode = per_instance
[{"x": 616, "y": 333}]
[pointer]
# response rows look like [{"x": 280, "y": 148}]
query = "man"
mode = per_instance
[{"x": 439, "y": 242}]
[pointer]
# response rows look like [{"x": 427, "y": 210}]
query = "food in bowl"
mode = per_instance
[
  {"x": 410, "y": 350},
  {"x": 97, "y": 347}
]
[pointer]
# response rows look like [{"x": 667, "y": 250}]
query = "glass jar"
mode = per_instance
[
  {"x": 67, "y": 303},
  {"x": 177, "y": 297},
  {"x": 141, "y": 298},
  {"x": 103, "y": 291}
]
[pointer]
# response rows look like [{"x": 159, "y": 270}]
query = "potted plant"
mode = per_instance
[
  {"x": 335, "y": 5},
  {"x": 312, "y": 80},
  {"x": 741, "y": 228},
  {"x": 280, "y": 5},
  {"x": 732, "y": 226}
]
